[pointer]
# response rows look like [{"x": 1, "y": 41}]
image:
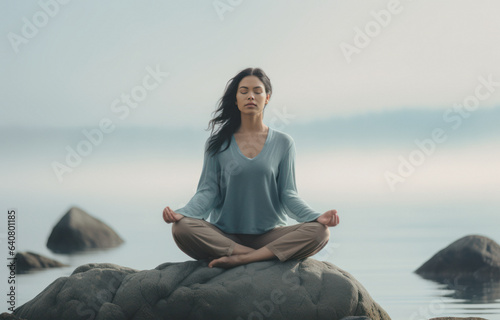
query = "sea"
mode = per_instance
[{"x": 388, "y": 228}]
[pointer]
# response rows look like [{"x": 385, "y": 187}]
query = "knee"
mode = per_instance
[
  {"x": 320, "y": 232},
  {"x": 183, "y": 227}
]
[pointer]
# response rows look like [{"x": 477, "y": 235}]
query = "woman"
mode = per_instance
[{"x": 247, "y": 185}]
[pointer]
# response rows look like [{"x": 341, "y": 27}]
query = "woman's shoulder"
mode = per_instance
[
  {"x": 282, "y": 138},
  {"x": 222, "y": 147}
]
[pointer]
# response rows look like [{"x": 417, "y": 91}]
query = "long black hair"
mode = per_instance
[{"x": 227, "y": 114}]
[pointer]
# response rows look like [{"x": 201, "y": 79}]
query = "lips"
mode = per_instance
[{"x": 251, "y": 104}]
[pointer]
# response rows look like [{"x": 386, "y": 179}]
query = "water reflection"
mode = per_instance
[
  {"x": 475, "y": 292},
  {"x": 471, "y": 290}
]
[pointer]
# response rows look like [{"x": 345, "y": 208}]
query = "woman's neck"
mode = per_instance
[{"x": 252, "y": 125}]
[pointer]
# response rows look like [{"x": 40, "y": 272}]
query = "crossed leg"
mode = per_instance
[{"x": 201, "y": 240}]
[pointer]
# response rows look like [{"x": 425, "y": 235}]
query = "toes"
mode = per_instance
[{"x": 213, "y": 263}]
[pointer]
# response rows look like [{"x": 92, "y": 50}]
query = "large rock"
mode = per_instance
[
  {"x": 28, "y": 261},
  {"x": 77, "y": 231},
  {"x": 9, "y": 316},
  {"x": 296, "y": 289},
  {"x": 474, "y": 256}
]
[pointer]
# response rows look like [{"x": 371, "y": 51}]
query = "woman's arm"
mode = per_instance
[
  {"x": 206, "y": 196},
  {"x": 294, "y": 206}
]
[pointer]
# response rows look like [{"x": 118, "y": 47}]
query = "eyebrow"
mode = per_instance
[{"x": 242, "y": 87}]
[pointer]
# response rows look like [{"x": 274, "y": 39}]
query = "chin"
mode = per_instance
[{"x": 253, "y": 111}]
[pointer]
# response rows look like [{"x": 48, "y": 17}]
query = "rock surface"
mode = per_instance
[
  {"x": 474, "y": 256},
  {"x": 77, "y": 231},
  {"x": 9, "y": 316},
  {"x": 27, "y": 261},
  {"x": 296, "y": 289}
]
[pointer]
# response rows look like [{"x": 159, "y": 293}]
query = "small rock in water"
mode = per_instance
[
  {"x": 28, "y": 261},
  {"x": 470, "y": 267},
  {"x": 77, "y": 231},
  {"x": 475, "y": 256}
]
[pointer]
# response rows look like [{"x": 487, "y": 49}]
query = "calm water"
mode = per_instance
[
  {"x": 381, "y": 240},
  {"x": 381, "y": 254}
]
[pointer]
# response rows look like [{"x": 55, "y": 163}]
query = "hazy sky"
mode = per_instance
[
  {"x": 355, "y": 83},
  {"x": 68, "y": 64}
]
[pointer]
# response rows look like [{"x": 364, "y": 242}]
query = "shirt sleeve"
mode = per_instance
[
  {"x": 294, "y": 206},
  {"x": 208, "y": 192}
]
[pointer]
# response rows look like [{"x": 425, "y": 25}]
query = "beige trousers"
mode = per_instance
[{"x": 200, "y": 239}]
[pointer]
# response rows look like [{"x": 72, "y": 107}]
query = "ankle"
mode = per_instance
[
  {"x": 246, "y": 258},
  {"x": 242, "y": 250}
]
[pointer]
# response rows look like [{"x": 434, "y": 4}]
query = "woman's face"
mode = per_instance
[{"x": 251, "y": 96}]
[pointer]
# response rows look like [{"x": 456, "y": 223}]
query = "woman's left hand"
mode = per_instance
[{"x": 329, "y": 218}]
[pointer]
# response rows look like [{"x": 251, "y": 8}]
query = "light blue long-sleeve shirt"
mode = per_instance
[{"x": 249, "y": 195}]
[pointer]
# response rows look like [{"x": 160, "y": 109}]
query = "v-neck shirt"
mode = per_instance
[
  {"x": 233, "y": 138},
  {"x": 250, "y": 195}
]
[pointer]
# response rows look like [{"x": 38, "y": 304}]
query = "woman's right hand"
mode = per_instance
[
  {"x": 170, "y": 216},
  {"x": 329, "y": 218}
]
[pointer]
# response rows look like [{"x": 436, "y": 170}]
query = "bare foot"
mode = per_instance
[{"x": 226, "y": 262}]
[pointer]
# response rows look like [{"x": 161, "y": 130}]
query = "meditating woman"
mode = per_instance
[{"x": 247, "y": 187}]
